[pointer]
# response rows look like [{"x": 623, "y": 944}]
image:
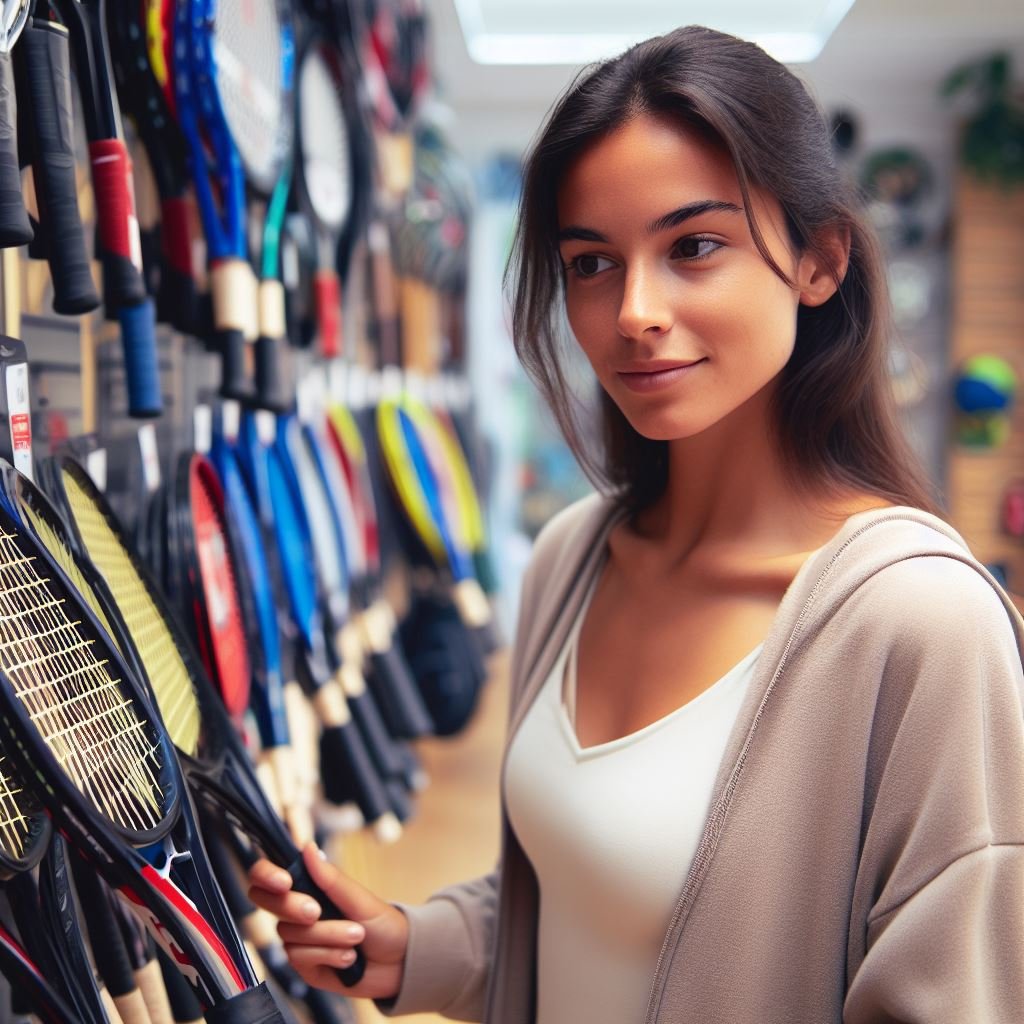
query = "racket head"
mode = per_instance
[
  {"x": 24, "y": 827},
  {"x": 213, "y": 573},
  {"x": 74, "y": 717},
  {"x": 325, "y": 165},
  {"x": 170, "y": 666},
  {"x": 347, "y": 441},
  {"x": 405, "y": 479},
  {"x": 251, "y": 55}
]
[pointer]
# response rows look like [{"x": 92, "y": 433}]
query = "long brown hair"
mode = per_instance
[{"x": 834, "y": 412}]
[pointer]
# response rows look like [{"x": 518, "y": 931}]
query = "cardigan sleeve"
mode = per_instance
[{"x": 941, "y": 881}]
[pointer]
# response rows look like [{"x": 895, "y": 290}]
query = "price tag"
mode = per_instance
[
  {"x": 96, "y": 467},
  {"x": 19, "y": 417},
  {"x": 150, "y": 457}
]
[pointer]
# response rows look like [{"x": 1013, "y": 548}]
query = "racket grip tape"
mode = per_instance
[
  {"x": 118, "y": 225},
  {"x": 45, "y": 81},
  {"x": 301, "y": 882},
  {"x": 14, "y": 226},
  {"x": 253, "y": 1006},
  {"x": 141, "y": 360},
  {"x": 234, "y": 365},
  {"x": 327, "y": 288},
  {"x": 399, "y": 697},
  {"x": 177, "y": 302}
]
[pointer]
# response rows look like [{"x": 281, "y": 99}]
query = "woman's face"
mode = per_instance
[{"x": 680, "y": 316}]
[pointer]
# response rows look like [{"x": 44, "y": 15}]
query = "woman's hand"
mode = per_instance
[{"x": 318, "y": 948}]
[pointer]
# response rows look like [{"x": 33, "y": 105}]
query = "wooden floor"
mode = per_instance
[{"x": 454, "y": 835}]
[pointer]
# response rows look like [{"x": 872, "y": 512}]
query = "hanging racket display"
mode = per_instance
[
  {"x": 211, "y": 752},
  {"x": 109, "y": 776},
  {"x": 119, "y": 238}
]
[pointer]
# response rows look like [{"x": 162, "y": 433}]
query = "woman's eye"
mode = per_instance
[
  {"x": 694, "y": 247},
  {"x": 588, "y": 265}
]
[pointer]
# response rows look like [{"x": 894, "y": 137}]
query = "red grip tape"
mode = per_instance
[
  {"x": 328, "y": 312},
  {"x": 115, "y": 200},
  {"x": 176, "y": 237}
]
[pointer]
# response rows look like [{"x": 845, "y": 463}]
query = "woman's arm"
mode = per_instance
[{"x": 939, "y": 901}]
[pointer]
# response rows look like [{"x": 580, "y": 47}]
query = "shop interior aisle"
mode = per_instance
[{"x": 454, "y": 835}]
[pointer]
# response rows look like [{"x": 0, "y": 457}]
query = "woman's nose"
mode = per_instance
[{"x": 645, "y": 308}]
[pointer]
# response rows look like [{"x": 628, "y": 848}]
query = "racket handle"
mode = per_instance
[
  {"x": 184, "y": 1004},
  {"x": 253, "y": 1006},
  {"x": 118, "y": 225},
  {"x": 45, "y": 81},
  {"x": 400, "y": 700},
  {"x": 327, "y": 287},
  {"x": 177, "y": 302},
  {"x": 234, "y": 357},
  {"x": 14, "y": 226},
  {"x": 271, "y": 385},
  {"x": 301, "y": 882},
  {"x": 141, "y": 360}
]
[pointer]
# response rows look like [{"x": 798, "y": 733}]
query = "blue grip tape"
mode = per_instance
[{"x": 141, "y": 361}]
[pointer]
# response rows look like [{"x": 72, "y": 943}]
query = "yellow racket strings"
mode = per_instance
[
  {"x": 168, "y": 675},
  {"x": 92, "y": 729},
  {"x": 15, "y": 824}
]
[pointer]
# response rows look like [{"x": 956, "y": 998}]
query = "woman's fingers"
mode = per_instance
[
  {"x": 269, "y": 876},
  {"x": 318, "y": 966},
  {"x": 288, "y": 906},
  {"x": 336, "y": 934},
  {"x": 354, "y": 901}
]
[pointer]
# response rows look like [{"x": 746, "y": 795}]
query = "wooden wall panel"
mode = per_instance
[{"x": 988, "y": 317}]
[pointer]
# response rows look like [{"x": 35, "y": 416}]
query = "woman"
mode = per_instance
[{"x": 766, "y": 756}]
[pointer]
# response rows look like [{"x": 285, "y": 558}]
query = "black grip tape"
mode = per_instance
[
  {"x": 235, "y": 380},
  {"x": 271, "y": 380},
  {"x": 253, "y": 1006},
  {"x": 346, "y": 768},
  {"x": 378, "y": 740},
  {"x": 301, "y": 882},
  {"x": 401, "y": 703},
  {"x": 14, "y": 226},
  {"x": 45, "y": 78}
]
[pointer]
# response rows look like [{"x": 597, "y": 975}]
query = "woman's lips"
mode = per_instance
[{"x": 657, "y": 379}]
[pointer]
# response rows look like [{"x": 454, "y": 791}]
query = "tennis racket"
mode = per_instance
[
  {"x": 109, "y": 777},
  {"x": 14, "y": 225},
  {"x": 211, "y": 753},
  {"x": 254, "y": 57},
  {"x": 115, "y": 204},
  {"x": 218, "y": 181},
  {"x": 326, "y": 175},
  {"x": 43, "y": 71},
  {"x": 346, "y": 765},
  {"x": 344, "y": 644},
  {"x": 143, "y": 99}
]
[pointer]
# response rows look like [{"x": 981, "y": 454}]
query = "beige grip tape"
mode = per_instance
[
  {"x": 231, "y": 287},
  {"x": 352, "y": 680},
  {"x": 331, "y": 705},
  {"x": 265, "y": 777},
  {"x": 474, "y": 608},
  {"x": 271, "y": 304},
  {"x": 132, "y": 1008},
  {"x": 151, "y": 984},
  {"x": 282, "y": 765}
]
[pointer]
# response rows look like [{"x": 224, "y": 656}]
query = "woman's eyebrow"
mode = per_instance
[{"x": 574, "y": 233}]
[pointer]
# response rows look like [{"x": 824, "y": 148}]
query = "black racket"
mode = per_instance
[
  {"x": 211, "y": 753},
  {"x": 115, "y": 204},
  {"x": 109, "y": 778}
]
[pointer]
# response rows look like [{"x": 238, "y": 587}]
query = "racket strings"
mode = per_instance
[
  {"x": 15, "y": 823},
  {"x": 55, "y": 544},
  {"x": 168, "y": 675},
  {"x": 250, "y": 62},
  {"x": 325, "y": 145},
  {"x": 91, "y": 728}
]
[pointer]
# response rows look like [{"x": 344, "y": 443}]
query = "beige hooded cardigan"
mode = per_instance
[{"x": 863, "y": 861}]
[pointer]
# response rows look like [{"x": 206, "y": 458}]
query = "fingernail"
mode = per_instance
[
  {"x": 322, "y": 854},
  {"x": 280, "y": 880},
  {"x": 355, "y": 933},
  {"x": 348, "y": 957},
  {"x": 310, "y": 910}
]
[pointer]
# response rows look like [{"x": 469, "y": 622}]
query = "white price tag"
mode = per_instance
[
  {"x": 150, "y": 457},
  {"x": 20, "y": 418}
]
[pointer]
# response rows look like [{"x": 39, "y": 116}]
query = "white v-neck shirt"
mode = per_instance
[{"x": 611, "y": 830}]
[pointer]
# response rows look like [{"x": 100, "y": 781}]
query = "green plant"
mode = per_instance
[{"x": 992, "y": 145}]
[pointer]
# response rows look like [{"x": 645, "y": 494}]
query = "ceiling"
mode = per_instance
[{"x": 885, "y": 60}]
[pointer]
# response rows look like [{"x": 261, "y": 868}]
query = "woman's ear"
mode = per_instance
[{"x": 819, "y": 270}]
